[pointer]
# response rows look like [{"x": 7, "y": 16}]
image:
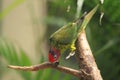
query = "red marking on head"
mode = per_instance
[{"x": 54, "y": 55}]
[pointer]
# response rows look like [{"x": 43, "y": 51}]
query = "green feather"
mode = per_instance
[
  {"x": 65, "y": 35},
  {"x": 64, "y": 38}
]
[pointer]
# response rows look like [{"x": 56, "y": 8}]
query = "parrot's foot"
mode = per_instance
[
  {"x": 73, "y": 48},
  {"x": 56, "y": 64},
  {"x": 70, "y": 54}
]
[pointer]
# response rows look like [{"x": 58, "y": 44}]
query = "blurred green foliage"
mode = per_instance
[{"x": 104, "y": 40}]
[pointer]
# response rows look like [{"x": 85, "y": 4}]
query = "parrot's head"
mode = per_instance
[{"x": 54, "y": 55}]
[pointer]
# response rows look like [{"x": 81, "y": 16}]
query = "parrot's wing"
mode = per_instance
[{"x": 65, "y": 35}]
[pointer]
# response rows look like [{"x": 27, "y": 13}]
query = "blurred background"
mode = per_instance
[{"x": 25, "y": 27}]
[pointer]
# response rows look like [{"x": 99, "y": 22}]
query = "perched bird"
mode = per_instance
[{"x": 63, "y": 40}]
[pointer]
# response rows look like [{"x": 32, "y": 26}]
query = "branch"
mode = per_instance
[
  {"x": 86, "y": 60},
  {"x": 45, "y": 65}
]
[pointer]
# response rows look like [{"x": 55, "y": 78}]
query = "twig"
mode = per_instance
[{"x": 45, "y": 65}]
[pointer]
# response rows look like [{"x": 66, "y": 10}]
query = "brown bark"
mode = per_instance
[{"x": 86, "y": 60}]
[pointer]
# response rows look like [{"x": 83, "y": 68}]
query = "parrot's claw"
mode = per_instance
[
  {"x": 71, "y": 54},
  {"x": 56, "y": 64}
]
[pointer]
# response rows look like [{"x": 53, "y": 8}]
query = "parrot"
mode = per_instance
[{"x": 64, "y": 38}]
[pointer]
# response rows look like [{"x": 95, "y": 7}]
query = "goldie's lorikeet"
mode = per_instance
[{"x": 64, "y": 39}]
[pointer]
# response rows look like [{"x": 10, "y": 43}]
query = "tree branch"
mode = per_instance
[
  {"x": 86, "y": 60},
  {"x": 45, "y": 65}
]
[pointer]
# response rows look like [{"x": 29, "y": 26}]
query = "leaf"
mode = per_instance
[
  {"x": 10, "y": 54},
  {"x": 5, "y": 50}
]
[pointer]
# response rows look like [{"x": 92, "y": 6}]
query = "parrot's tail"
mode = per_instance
[{"x": 80, "y": 20}]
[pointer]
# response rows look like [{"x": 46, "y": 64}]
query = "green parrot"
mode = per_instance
[{"x": 64, "y": 38}]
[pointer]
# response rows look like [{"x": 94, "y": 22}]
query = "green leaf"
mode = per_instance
[
  {"x": 5, "y": 50},
  {"x": 9, "y": 52}
]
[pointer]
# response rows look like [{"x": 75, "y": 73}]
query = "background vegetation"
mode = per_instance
[{"x": 104, "y": 40}]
